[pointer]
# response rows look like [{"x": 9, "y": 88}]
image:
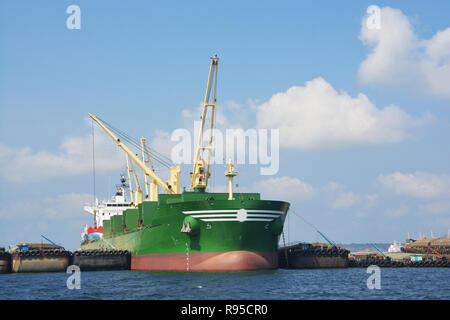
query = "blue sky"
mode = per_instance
[{"x": 139, "y": 65}]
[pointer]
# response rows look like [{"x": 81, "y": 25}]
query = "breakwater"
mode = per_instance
[
  {"x": 307, "y": 256},
  {"x": 292, "y": 257},
  {"x": 440, "y": 263},
  {"x": 313, "y": 256},
  {"x": 58, "y": 259}
]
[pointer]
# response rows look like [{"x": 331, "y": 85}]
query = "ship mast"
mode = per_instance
[{"x": 200, "y": 174}]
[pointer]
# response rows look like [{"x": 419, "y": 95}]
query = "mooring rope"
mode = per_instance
[{"x": 310, "y": 224}]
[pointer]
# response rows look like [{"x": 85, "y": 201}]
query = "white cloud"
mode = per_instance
[
  {"x": 437, "y": 207},
  {"x": 60, "y": 218},
  {"x": 66, "y": 205},
  {"x": 344, "y": 200},
  {"x": 398, "y": 57},
  {"x": 417, "y": 185},
  {"x": 316, "y": 116},
  {"x": 228, "y": 114},
  {"x": 401, "y": 211},
  {"x": 312, "y": 116},
  {"x": 162, "y": 143},
  {"x": 340, "y": 198},
  {"x": 20, "y": 165},
  {"x": 284, "y": 188},
  {"x": 279, "y": 188},
  {"x": 234, "y": 136},
  {"x": 63, "y": 206}
]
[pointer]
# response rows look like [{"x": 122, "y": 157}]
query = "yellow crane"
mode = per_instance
[
  {"x": 130, "y": 186},
  {"x": 151, "y": 188},
  {"x": 136, "y": 195},
  {"x": 172, "y": 186},
  {"x": 202, "y": 157},
  {"x": 200, "y": 174}
]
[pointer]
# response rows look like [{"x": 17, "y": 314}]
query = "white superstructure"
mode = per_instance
[
  {"x": 395, "y": 247},
  {"x": 109, "y": 208}
]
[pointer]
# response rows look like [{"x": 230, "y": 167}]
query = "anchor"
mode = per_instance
[{"x": 186, "y": 228}]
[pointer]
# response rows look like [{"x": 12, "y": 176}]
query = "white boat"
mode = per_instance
[{"x": 395, "y": 247}]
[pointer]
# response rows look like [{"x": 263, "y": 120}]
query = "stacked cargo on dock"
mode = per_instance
[
  {"x": 32, "y": 257},
  {"x": 28, "y": 257},
  {"x": 428, "y": 246}
]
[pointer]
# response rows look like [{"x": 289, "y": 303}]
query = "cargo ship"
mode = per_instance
[{"x": 192, "y": 230}]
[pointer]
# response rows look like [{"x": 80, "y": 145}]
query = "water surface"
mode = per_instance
[{"x": 351, "y": 283}]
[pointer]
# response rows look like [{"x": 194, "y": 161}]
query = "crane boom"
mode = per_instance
[
  {"x": 200, "y": 173},
  {"x": 149, "y": 162},
  {"x": 129, "y": 180},
  {"x": 50, "y": 241},
  {"x": 428, "y": 245},
  {"x": 151, "y": 189},
  {"x": 329, "y": 241},
  {"x": 380, "y": 251},
  {"x": 138, "y": 161}
]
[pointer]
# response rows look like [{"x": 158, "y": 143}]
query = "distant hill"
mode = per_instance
[{"x": 353, "y": 247}]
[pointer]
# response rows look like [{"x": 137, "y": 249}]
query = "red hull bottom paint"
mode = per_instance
[{"x": 206, "y": 261}]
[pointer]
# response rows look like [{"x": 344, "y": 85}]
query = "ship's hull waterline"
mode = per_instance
[
  {"x": 198, "y": 232},
  {"x": 206, "y": 261}
]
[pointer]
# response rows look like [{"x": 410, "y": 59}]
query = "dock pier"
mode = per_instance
[
  {"x": 310, "y": 256},
  {"x": 5, "y": 261},
  {"x": 321, "y": 255},
  {"x": 101, "y": 260},
  {"x": 28, "y": 258}
]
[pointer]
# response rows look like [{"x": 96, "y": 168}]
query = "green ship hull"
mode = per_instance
[{"x": 198, "y": 231}]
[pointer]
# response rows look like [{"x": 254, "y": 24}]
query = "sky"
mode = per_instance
[{"x": 362, "y": 109}]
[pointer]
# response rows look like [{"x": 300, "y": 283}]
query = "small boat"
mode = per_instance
[{"x": 395, "y": 247}]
